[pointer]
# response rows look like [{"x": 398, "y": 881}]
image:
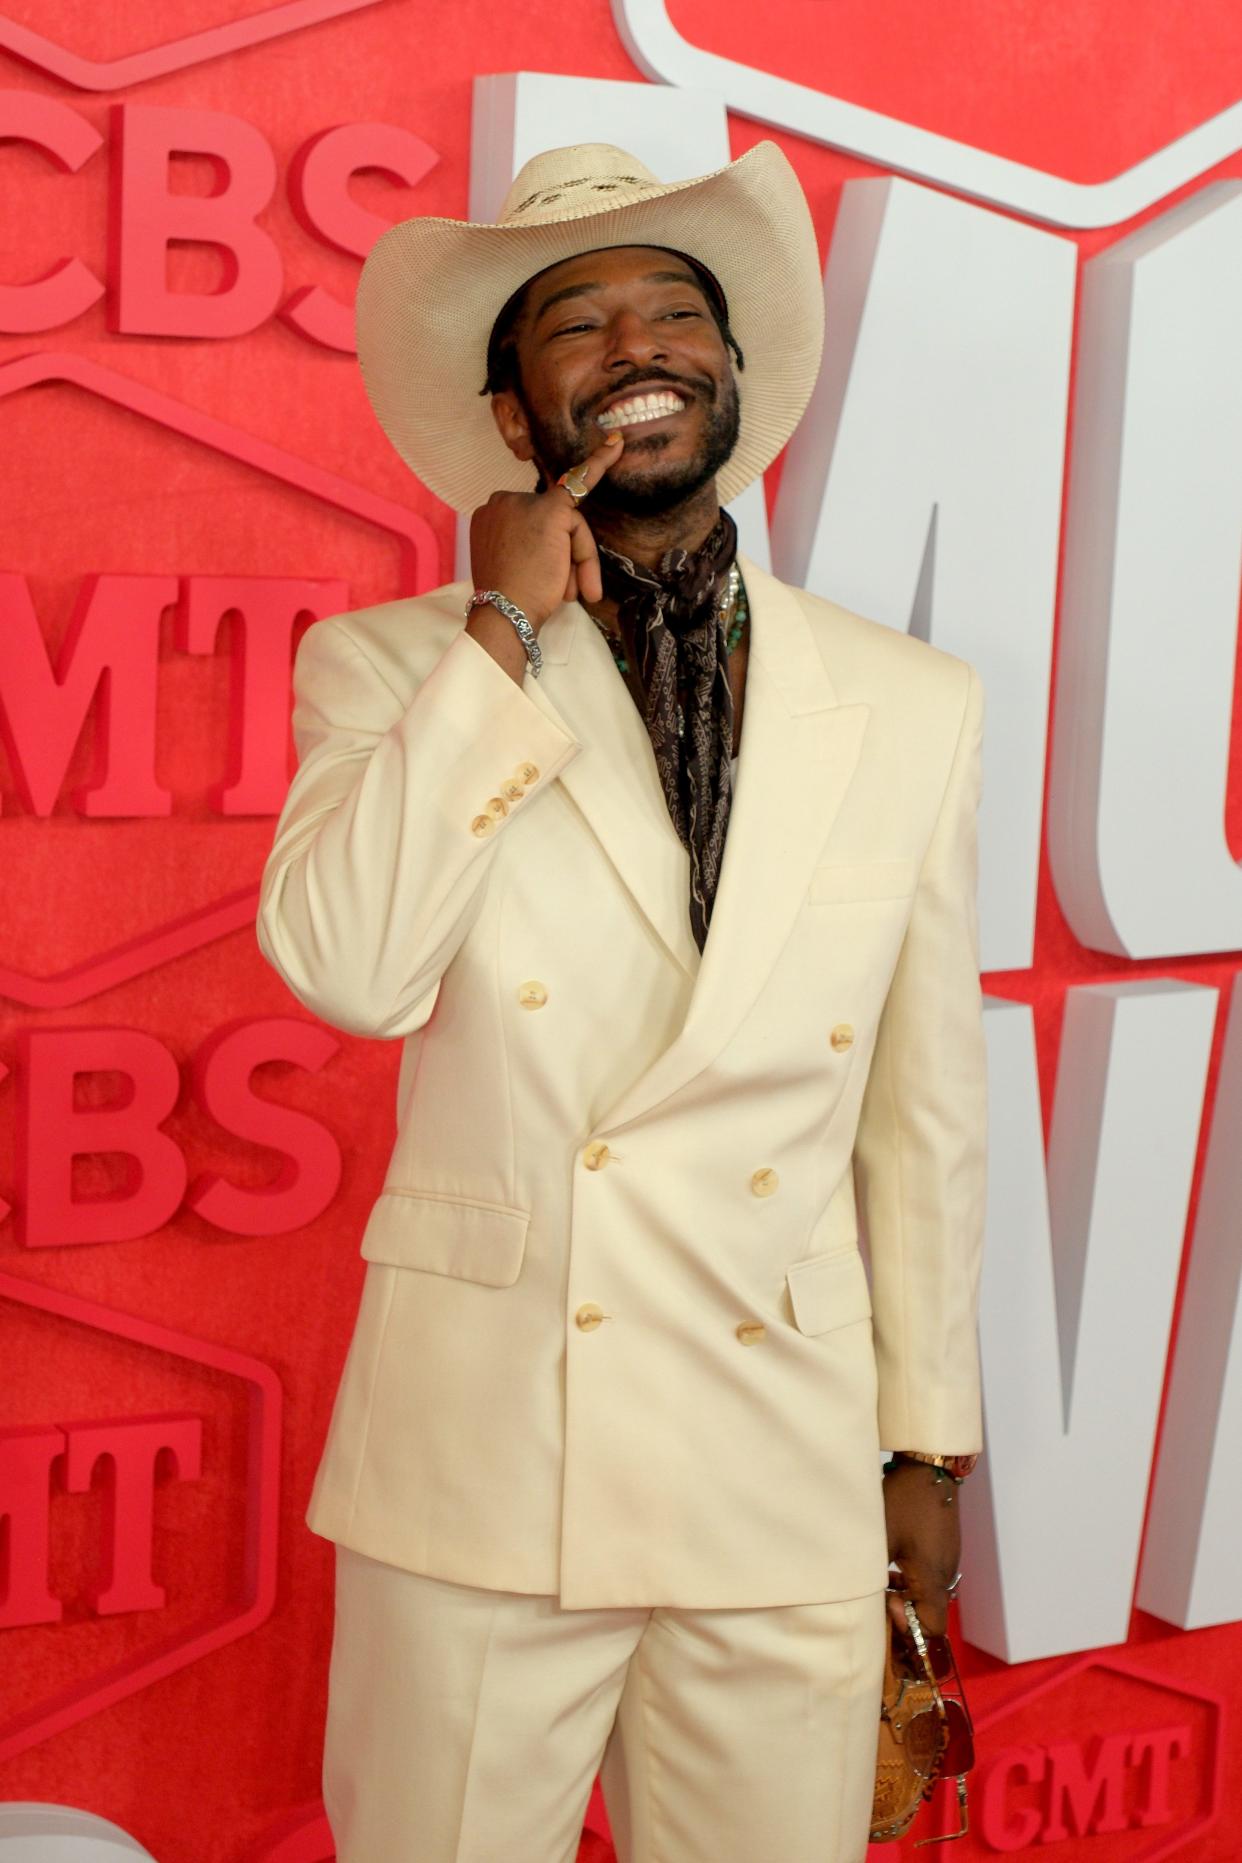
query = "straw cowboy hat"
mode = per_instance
[{"x": 431, "y": 289}]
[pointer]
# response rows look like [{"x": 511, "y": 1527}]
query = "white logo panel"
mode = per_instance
[{"x": 657, "y": 48}]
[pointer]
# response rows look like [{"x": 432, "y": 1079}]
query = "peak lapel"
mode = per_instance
[
  {"x": 798, "y": 752},
  {"x": 613, "y": 780}
]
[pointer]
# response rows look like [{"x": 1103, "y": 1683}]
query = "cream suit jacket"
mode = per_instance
[{"x": 591, "y": 1118}]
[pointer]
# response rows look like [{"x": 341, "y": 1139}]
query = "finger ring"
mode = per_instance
[{"x": 574, "y": 484}]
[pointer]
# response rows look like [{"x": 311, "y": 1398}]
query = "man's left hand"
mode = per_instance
[{"x": 924, "y": 1541}]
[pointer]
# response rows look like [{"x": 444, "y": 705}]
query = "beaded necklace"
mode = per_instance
[{"x": 734, "y": 597}]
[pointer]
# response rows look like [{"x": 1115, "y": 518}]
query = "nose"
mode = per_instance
[{"x": 632, "y": 339}]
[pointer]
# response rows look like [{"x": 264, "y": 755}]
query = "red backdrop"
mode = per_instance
[{"x": 164, "y": 1658}]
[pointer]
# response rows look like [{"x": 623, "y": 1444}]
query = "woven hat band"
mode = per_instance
[
  {"x": 560, "y": 182},
  {"x": 570, "y": 194}
]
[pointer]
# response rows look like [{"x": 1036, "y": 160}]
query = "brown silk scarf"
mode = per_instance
[{"x": 669, "y": 621}]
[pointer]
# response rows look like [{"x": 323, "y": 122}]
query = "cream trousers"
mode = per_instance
[{"x": 467, "y": 1726}]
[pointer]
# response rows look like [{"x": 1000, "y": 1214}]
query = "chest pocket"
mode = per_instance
[{"x": 847, "y": 881}]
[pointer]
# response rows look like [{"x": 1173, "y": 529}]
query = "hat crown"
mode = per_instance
[{"x": 559, "y": 183}]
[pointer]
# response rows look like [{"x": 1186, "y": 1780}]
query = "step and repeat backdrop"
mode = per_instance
[{"x": 1025, "y": 446}]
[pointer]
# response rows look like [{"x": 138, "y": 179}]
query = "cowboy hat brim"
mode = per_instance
[{"x": 431, "y": 288}]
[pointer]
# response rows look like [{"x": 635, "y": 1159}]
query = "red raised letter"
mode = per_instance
[
  {"x": 67, "y": 288},
  {"x": 147, "y": 219},
  {"x": 52, "y": 1131},
  {"x": 999, "y": 1830},
  {"x": 133, "y": 1446},
  {"x": 114, "y": 631},
  {"x": 1091, "y": 1795},
  {"x": 26, "y": 1457},
  {"x": 320, "y": 197},
  {"x": 311, "y": 1168},
  {"x": 1160, "y": 1747},
  {"x": 267, "y": 608}
]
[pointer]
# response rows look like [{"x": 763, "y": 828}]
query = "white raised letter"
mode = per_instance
[
  {"x": 1078, "y": 1283},
  {"x": 1190, "y": 1562},
  {"x": 923, "y": 487},
  {"x": 1140, "y": 754}
]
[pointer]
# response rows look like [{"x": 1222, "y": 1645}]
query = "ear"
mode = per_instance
[{"x": 510, "y": 419}]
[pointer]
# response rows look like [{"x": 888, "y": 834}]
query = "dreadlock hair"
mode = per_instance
[{"x": 502, "y": 358}]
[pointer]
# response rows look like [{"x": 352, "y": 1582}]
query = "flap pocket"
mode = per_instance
[
  {"x": 864, "y": 879},
  {"x": 830, "y": 1290},
  {"x": 458, "y": 1236}
]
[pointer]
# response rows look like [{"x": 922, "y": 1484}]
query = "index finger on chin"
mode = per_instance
[{"x": 604, "y": 457}]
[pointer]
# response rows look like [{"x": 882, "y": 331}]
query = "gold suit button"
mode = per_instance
[
  {"x": 750, "y": 1332},
  {"x": 841, "y": 1036},
  {"x": 596, "y": 1155},
  {"x": 532, "y": 995},
  {"x": 511, "y": 789},
  {"x": 482, "y": 824},
  {"x": 764, "y": 1181},
  {"x": 589, "y": 1316},
  {"x": 527, "y": 773},
  {"x": 497, "y": 806}
]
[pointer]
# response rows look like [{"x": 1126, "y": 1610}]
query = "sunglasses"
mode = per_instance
[{"x": 940, "y": 1739}]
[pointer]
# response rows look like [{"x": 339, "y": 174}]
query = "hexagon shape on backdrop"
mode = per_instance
[
  {"x": 1081, "y": 1701},
  {"x": 90, "y": 74},
  {"x": 118, "y": 962},
  {"x": 64, "y": 1705}
]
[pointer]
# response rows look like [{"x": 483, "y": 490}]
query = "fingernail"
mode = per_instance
[{"x": 612, "y": 439}]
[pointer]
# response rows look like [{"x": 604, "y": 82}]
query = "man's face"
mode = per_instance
[{"x": 596, "y": 337}]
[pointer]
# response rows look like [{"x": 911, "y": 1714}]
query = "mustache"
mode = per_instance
[{"x": 647, "y": 379}]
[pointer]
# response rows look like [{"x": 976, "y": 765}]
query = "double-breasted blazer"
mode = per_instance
[{"x": 617, "y": 1338}]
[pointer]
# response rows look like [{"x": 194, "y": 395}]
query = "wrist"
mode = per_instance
[
  {"x": 511, "y": 589},
  {"x": 516, "y": 621},
  {"x": 488, "y": 628},
  {"x": 956, "y": 1467}
]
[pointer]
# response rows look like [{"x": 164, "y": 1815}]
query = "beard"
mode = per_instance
[{"x": 649, "y": 487}]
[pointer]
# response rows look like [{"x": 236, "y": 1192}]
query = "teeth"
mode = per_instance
[{"x": 641, "y": 407}]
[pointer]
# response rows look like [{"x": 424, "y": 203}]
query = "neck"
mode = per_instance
[{"x": 647, "y": 539}]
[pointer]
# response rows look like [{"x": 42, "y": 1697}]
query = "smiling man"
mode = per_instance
[
  {"x": 664, "y": 874},
  {"x": 550, "y": 405}
]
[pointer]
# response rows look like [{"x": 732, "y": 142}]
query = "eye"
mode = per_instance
[
  {"x": 569, "y": 328},
  {"x": 683, "y": 313}
]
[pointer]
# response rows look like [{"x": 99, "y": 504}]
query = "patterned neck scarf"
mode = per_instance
[{"x": 669, "y": 620}]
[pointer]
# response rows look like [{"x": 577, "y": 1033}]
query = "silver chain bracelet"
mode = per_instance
[{"x": 511, "y": 612}]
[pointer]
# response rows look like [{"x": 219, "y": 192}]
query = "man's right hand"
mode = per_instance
[{"x": 537, "y": 548}]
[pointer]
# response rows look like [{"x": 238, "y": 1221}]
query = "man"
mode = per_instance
[{"x": 604, "y": 1467}]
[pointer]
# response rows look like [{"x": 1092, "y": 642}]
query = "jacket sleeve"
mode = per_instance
[
  {"x": 376, "y": 874},
  {"x": 920, "y": 1156}
]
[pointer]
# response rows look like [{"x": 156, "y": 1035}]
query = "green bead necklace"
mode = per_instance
[{"x": 735, "y": 591}]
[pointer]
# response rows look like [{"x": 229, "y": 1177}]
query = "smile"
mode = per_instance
[{"x": 638, "y": 408}]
